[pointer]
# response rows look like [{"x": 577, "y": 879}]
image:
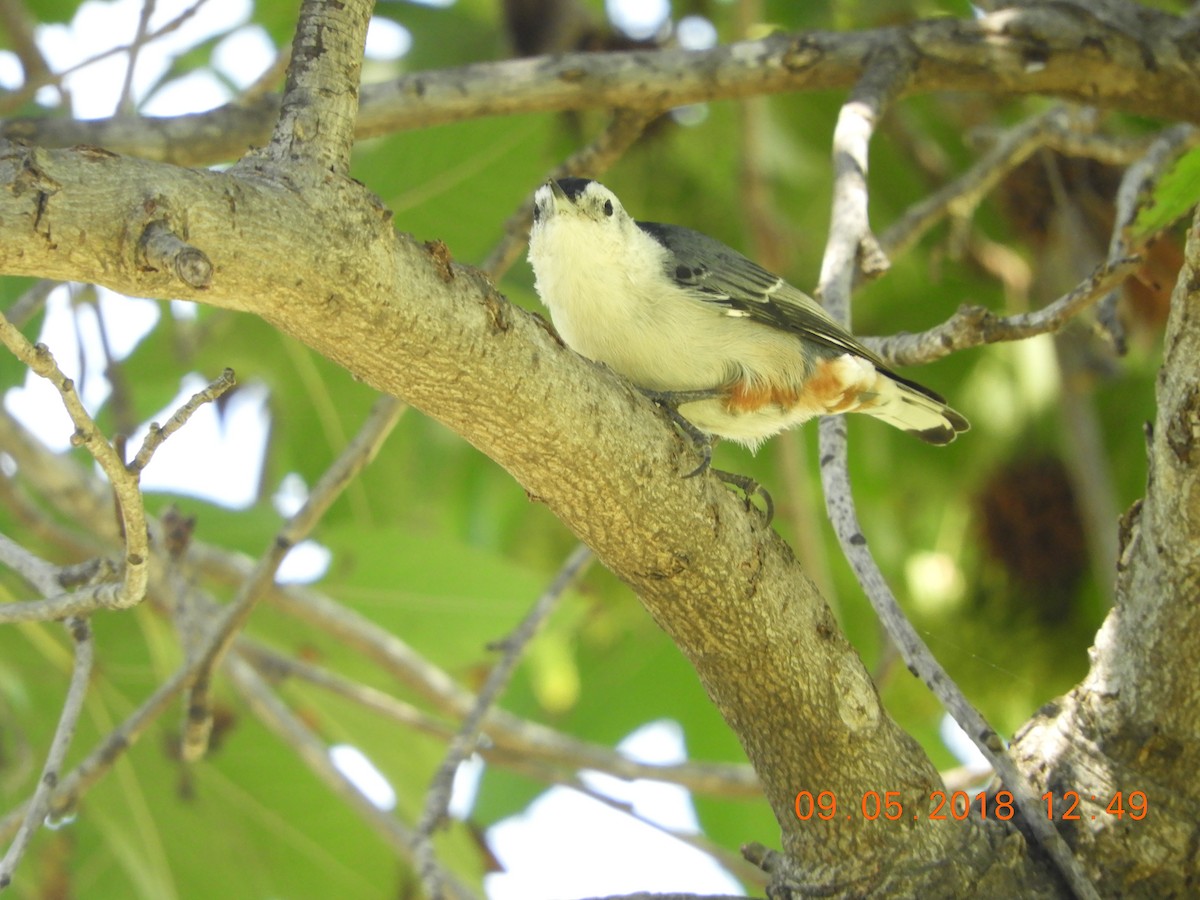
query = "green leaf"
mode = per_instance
[{"x": 1176, "y": 193}]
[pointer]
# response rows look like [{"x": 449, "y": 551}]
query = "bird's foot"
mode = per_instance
[{"x": 670, "y": 402}]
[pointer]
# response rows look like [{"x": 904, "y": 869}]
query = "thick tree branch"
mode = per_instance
[
  {"x": 1131, "y": 726},
  {"x": 320, "y": 98},
  {"x": 404, "y": 318},
  {"x": 407, "y": 321},
  {"x": 1147, "y": 65}
]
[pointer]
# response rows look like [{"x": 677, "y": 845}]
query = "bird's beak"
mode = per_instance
[{"x": 559, "y": 194}]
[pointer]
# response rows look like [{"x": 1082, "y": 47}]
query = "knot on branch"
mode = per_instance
[{"x": 161, "y": 250}]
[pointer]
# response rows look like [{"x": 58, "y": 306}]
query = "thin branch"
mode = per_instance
[
  {"x": 125, "y": 105},
  {"x": 39, "y": 804},
  {"x": 924, "y": 665},
  {"x": 342, "y": 472},
  {"x": 1137, "y": 185},
  {"x": 158, "y": 434},
  {"x": 731, "y": 861},
  {"x": 973, "y": 326},
  {"x": 26, "y": 306},
  {"x": 102, "y": 758},
  {"x": 315, "y": 754},
  {"x": 437, "y": 800},
  {"x": 17, "y": 98},
  {"x": 19, "y": 26},
  {"x": 124, "y": 479},
  {"x": 130, "y": 590},
  {"x": 960, "y": 197},
  {"x": 505, "y": 738},
  {"x": 849, "y": 234},
  {"x": 39, "y": 573}
]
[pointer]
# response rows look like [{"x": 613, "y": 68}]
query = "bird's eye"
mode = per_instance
[{"x": 608, "y": 207}]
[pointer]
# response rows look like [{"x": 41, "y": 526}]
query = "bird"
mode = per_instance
[{"x": 730, "y": 349}]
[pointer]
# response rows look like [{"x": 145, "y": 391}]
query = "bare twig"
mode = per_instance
[
  {"x": 358, "y": 453},
  {"x": 731, "y": 861},
  {"x": 39, "y": 573},
  {"x": 102, "y": 758},
  {"x": 25, "y": 306},
  {"x": 960, "y": 197},
  {"x": 158, "y": 434},
  {"x": 437, "y": 800},
  {"x": 125, "y": 106},
  {"x": 972, "y": 326},
  {"x": 124, "y": 481},
  {"x": 505, "y": 738},
  {"x": 35, "y": 810},
  {"x": 130, "y": 590},
  {"x": 1136, "y": 187},
  {"x": 18, "y": 25},
  {"x": 47, "y": 77},
  {"x": 315, "y": 754}
]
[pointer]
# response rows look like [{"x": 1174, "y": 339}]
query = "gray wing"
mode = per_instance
[{"x": 718, "y": 274}]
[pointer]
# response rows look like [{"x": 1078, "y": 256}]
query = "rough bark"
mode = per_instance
[
  {"x": 1148, "y": 63},
  {"x": 1132, "y": 725}
]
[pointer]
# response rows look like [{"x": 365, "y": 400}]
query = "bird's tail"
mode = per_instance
[{"x": 913, "y": 408}]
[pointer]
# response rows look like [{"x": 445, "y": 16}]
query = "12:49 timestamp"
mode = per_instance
[
  {"x": 1134, "y": 804},
  {"x": 960, "y": 805}
]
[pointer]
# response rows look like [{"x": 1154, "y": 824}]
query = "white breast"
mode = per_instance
[{"x": 659, "y": 338}]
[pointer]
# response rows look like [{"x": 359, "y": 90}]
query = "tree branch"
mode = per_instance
[
  {"x": 506, "y": 738},
  {"x": 39, "y": 803},
  {"x": 357, "y": 454},
  {"x": 315, "y": 754},
  {"x": 974, "y": 326},
  {"x": 320, "y": 99},
  {"x": 1061, "y": 49},
  {"x": 406, "y": 320},
  {"x": 463, "y": 744},
  {"x": 132, "y": 587},
  {"x": 1132, "y": 724}
]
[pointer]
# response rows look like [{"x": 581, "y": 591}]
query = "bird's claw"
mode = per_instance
[
  {"x": 669, "y": 401},
  {"x": 749, "y": 487}
]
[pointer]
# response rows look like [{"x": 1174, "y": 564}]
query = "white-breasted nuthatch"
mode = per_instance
[{"x": 736, "y": 351}]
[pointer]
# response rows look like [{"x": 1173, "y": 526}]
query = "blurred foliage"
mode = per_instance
[{"x": 439, "y": 545}]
